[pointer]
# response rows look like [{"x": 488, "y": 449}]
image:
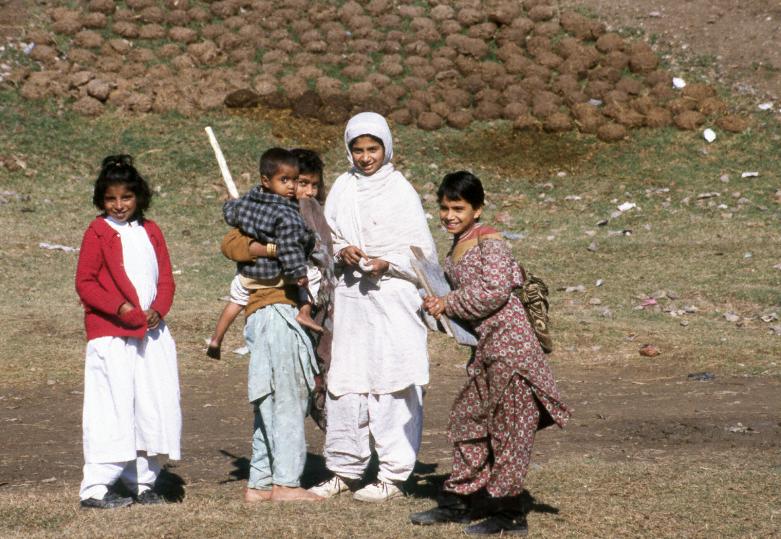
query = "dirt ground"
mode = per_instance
[
  {"x": 737, "y": 41},
  {"x": 622, "y": 413}
]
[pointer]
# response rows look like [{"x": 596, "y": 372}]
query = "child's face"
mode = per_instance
[
  {"x": 119, "y": 202},
  {"x": 284, "y": 182},
  {"x": 368, "y": 154},
  {"x": 457, "y": 216},
  {"x": 308, "y": 185}
]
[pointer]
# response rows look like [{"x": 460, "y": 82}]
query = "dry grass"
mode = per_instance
[{"x": 572, "y": 498}]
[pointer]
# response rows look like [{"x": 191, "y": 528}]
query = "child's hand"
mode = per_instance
[
  {"x": 132, "y": 317},
  {"x": 152, "y": 318},
  {"x": 351, "y": 255},
  {"x": 303, "y": 282},
  {"x": 434, "y": 306},
  {"x": 379, "y": 267}
]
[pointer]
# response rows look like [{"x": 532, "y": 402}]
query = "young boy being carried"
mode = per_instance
[{"x": 282, "y": 365}]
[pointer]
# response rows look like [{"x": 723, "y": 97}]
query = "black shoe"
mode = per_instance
[
  {"x": 500, "y": 523},
  {"x": 450, "y": 508},
  {"x": 109, "y": 501},
  {"x": 149, "y": 497},
  {"x": 440, "y": 515}
]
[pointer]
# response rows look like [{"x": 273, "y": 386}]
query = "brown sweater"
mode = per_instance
[{"x": 235, "y": 246}]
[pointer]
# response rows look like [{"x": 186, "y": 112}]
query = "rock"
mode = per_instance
[
  {"x": 89, "y": 39},
  {"x": 67, "y": 26},
  {"x": 459, "y": 119},
  {"x": 429, "y": 121},
  {"x": 733, "y": 123},
  {"x": 105, "y": 7},
  {"x": 88, "y": 106},
  {"x": 95, "y": 20},
  {"x": 610, "y": 42},
  {"x": 401, "y": 116},
  {"x": 182, "y": 34},
  {"x": 658, "y": 117},
  {"x": 689, "y": 120},
  {"x": 98, "y": 89},
  {"x": 643, "y": 62},
  {"x": 698, "y": 92},
  {"x": 125, "y": 29},
  {"x": 576, "y": 24},
  {"x": 557, "y": 122},
  {"x": 541, "y": 13},
  {"x": 611, "y": 132},
  {"x": 527, "y": 122},
  {"x": 151, "y": 31},
  {"x": 649, "y": 350},
  {"x": 243, "y": 98}
]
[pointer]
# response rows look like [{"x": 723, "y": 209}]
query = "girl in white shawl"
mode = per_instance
[{"x": 379, "y": 356}]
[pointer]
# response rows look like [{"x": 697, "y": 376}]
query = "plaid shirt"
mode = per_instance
[{"x": 271, "y": 218}]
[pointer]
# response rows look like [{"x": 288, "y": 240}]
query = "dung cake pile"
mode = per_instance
[{"x": 428, "y": 64}]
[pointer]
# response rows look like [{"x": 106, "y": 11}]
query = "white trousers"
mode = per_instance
[
  {"x": 139, "y": 475},
  {"x": 394, "y": 421},
  {"x": 131, "y": 407}
]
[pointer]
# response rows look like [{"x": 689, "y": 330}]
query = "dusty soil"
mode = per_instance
[
  {"x": 738, "y": 41},
  {"x": 621, "y": 414}
]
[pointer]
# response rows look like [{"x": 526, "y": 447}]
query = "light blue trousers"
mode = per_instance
[{"x": 278, "y": 440}]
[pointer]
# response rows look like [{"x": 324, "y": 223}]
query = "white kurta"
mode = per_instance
[
  {"x": 131, "y": 386},
  {"x": 379, "y": 340}
]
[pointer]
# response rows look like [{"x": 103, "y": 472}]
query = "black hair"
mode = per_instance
[
  {"x": 272, "y": 158},
  {"x": 462, "y": 185},
  {"x": 375, "y": 139},
  {"x": 119, "y": 170},
  {"x": 309, "y": 162}
]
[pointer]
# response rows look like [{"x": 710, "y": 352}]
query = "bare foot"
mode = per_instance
[
  {"x": 213, "y": 350},
  {"x": 293, "y": 494},
  {"x": 253, "y": 495},
  {"x": 308, "y": 322}
]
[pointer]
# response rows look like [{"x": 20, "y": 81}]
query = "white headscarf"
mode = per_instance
[{"x": 369, "y": 123}]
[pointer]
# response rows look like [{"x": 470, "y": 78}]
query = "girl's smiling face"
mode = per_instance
[
  {"x": 368, "y": 154},
  {"x": 458, "y": 216},
  {"x": 119, "y": 202}
]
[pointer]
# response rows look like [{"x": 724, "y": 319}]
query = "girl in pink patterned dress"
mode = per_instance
[{"x": 511, "y": 392}]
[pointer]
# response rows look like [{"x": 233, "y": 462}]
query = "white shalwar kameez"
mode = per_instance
[
  {"x": 379, "y": 354},
  {"x": 131, "y": 389}
]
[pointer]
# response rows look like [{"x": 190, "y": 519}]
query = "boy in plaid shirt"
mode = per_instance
[
  {"x": 282, "y": 364},
  {"x": 269, "y": 213}
]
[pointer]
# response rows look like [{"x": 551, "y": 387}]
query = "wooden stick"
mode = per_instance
[{"x": 226, "y": 174}]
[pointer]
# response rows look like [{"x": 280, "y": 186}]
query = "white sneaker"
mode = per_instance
[
  {"x": 333, "y": 487},
  {"x": 378, "y": 492}
]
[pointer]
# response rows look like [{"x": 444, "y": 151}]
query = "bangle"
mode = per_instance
[{"x": 271, "y": 250}]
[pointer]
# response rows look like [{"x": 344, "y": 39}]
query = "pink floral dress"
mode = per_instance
[{"x": 511, "y": 392}]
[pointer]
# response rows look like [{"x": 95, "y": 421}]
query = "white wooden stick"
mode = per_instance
[{"x": 226, "y": 174}]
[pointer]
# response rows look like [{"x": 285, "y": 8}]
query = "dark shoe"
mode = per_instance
[
  {"x": 109, "y": 501},
  {"x": 440, "y": 515},
  {"x": 500, "y": 523},
  {"x": 149, "y": 497},
  {"x": 450, "y": 508}
]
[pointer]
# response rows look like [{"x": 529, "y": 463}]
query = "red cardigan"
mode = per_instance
[{"x": 103, "y": 286}]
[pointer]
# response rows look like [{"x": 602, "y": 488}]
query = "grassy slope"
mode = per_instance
[{"x": 692, "y": 249}]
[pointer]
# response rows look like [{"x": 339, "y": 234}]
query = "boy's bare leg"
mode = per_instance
[
  {"x": 227, "y": 316},
  {"x": 304, "y": 317},
  {"x": 252, "y": 495},
  {"x": 293, "y": 494}
]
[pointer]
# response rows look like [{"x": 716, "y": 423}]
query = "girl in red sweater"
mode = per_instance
[{"x": 131, "y": 380}]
